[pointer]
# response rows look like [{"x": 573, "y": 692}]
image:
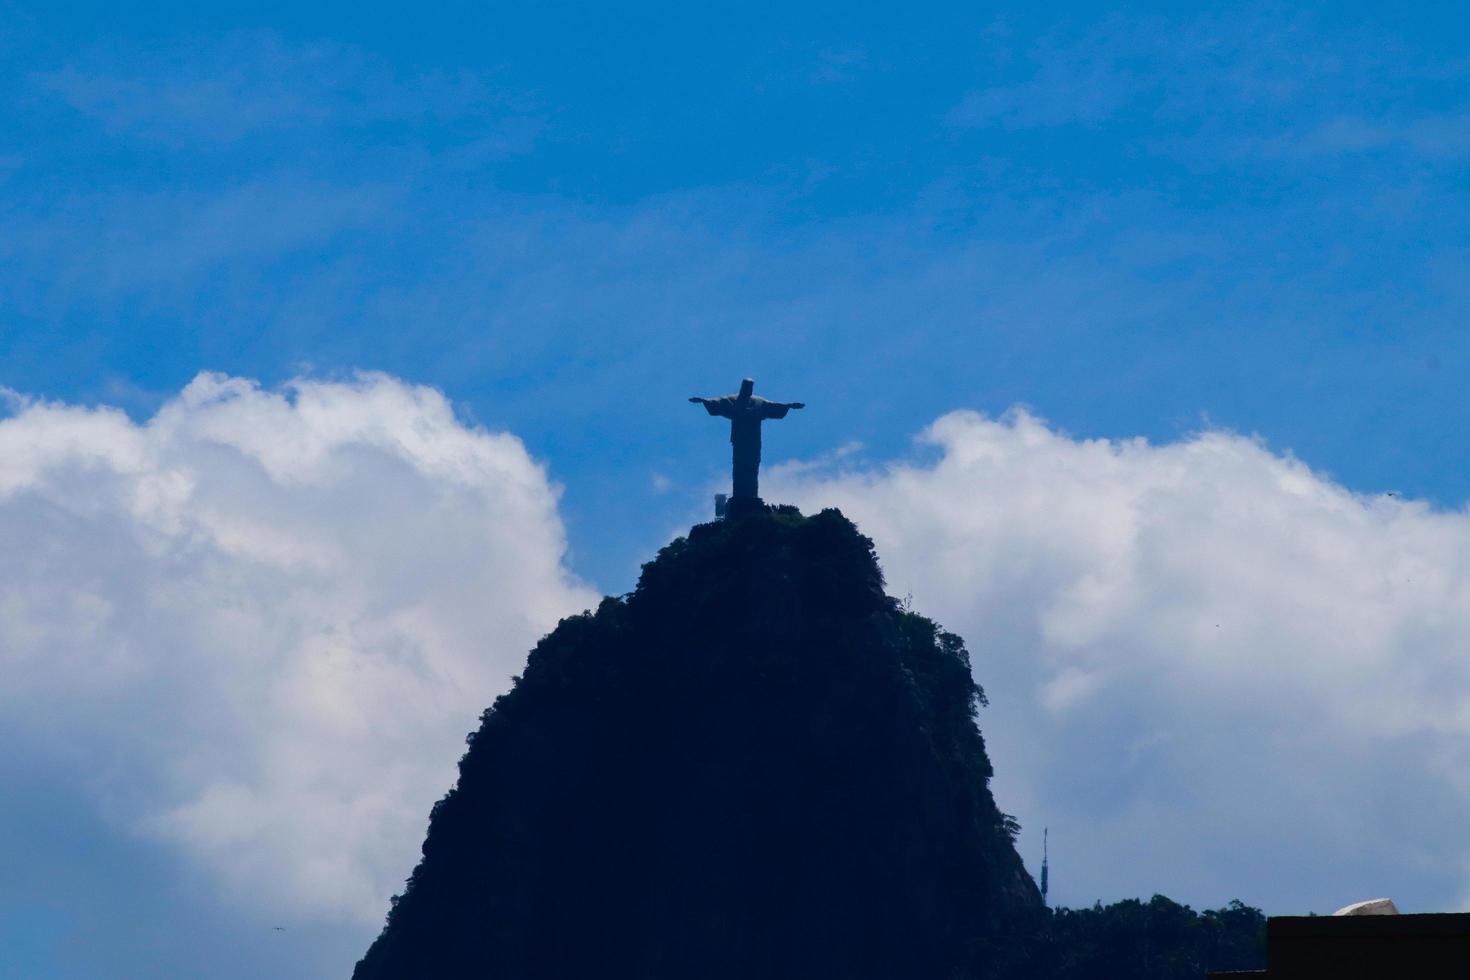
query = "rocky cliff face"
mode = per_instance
[{"x": 755, "y": 765}]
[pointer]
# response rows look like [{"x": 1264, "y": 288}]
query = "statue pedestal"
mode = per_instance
[{"x": 738, "y": 507}]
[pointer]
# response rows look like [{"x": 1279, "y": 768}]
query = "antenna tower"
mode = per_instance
[{"x": 1043, "y": 864}]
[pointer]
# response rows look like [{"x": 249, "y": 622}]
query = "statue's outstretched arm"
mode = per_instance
[
  {"x": 715, "y": 406},
  {"x": 778, "y": 410}
]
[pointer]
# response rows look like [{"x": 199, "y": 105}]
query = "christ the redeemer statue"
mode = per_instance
[{"x": 746, "y": 412}]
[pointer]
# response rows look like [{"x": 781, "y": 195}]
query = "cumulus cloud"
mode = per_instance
[
  {"x": 1213, "y": 671},
  {"x": 258, "y": 625}
]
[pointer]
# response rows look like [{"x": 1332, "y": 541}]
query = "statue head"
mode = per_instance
[{"x": 746, "y": 387}]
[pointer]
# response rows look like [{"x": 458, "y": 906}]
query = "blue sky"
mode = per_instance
[
  {"x": 1139, "y": 224},
  {"x": 1133, "y": 223}
]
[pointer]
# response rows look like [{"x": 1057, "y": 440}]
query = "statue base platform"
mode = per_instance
[{"x": 738, "y": 507}]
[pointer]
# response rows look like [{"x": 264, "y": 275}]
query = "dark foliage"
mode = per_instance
[
  {"x": 1134, "y": 940},
  {"x": 755, "y": 765}
]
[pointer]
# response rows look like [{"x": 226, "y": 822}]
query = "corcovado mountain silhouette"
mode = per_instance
[{"x": 757, "y": 764}]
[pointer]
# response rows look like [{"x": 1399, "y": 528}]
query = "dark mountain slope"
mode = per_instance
[{"x": 756, "y": 765}]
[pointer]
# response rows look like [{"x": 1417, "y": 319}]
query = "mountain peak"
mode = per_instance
[{"x": 755, "y": 764}]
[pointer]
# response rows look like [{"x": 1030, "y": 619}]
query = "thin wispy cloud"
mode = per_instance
[
  {"x": 247, "y": 83},
  {"x": 162, "y": 245},
  {"x": 1434, "y": 137},
  {"x": 1065, "y": 80},
  {"x": 838, "y": 65},
  {"x": 1246, "y": 83}
]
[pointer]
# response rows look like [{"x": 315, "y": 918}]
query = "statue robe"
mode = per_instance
[{"x": 745, "y": 435}]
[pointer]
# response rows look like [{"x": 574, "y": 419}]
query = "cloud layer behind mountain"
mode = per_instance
[
  {"x": 1214, "y": 672},
  {"x": 253, "y": 629},
  {"x": 257, "y": 626}
]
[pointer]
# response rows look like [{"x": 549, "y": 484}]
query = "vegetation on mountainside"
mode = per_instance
[
  {"x": 756, "y": 764},
  {"x": 1135, "y": 940}
]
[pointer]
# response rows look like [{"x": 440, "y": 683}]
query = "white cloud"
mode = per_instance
[
  {"x": 258, "y": 625},
  {"x": 1214, "y": 672}
]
